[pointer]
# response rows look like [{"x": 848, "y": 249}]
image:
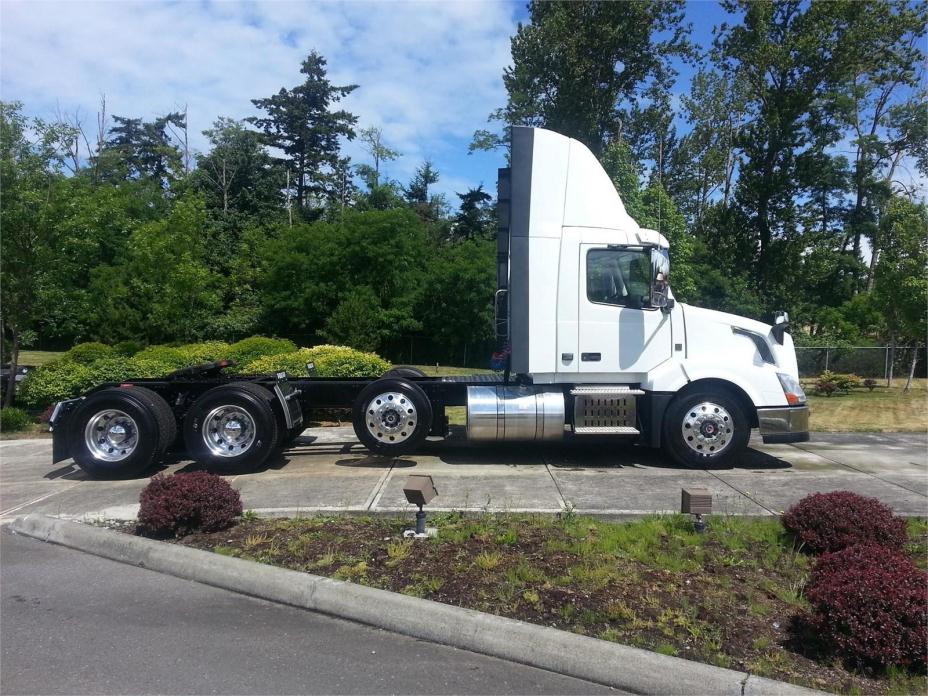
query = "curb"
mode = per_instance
[{"x": 619, "y": 666}]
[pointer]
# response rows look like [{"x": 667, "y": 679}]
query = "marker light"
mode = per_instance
[{"x": 795, "y": 396}]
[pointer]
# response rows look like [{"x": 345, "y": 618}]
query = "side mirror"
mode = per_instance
[{"x": 660, "y": 280}]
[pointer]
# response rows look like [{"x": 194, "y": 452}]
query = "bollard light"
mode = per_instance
[
  {"x": 419, "y": 490},
  {"x": 696, "y": 502}
]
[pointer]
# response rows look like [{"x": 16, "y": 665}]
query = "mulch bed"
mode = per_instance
[{"x": 731, "y": 597}]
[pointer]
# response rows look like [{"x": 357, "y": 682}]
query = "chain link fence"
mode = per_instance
[{"x": 875, "y": 362}]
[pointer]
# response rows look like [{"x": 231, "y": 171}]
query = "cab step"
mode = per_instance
[
  {"x": 606, "y": 390},
  {"x": 605, "y": 430}
]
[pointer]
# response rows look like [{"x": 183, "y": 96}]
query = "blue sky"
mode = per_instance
[{"x": 429, "y": 72}]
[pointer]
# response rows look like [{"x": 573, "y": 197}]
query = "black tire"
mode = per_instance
[
  {"x": 247, "y": 405},
  {"x": 392, "y": 416},
  {"x": 404, "y": 372},
  {"x": 715, "y": 441},
  {"x": 146, "y": 419}
]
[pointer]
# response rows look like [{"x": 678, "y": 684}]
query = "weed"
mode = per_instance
[
  {"x": 666, "y": 649},
  {"x": 488, "y": 560},
  {"x": 398, "y": 552},
  {"x": 567, "y": 611},
  {"x": 253, "y": 541},
  {"x": 227, "y": 551},
  {"x": 329, "y": 558},
  {"x": 249, "y": 516},
  {"x": 352, "y": 572},
  {"x": 531, "y": 597},
  {"x": 761, "y": 643},
  {"x": 522, "y": 573},
  {"x": 621, "y": 612},
  {"x": 509, "y": 537}
]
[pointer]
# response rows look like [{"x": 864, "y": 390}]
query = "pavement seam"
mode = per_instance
[
  {"x": 38, "y": 500},
  {"x": 374, "y": 498},
  {"x": 861, "y": 471},
  {"x": 741, "y": 492},
  {"x": 557, "y": 486}
]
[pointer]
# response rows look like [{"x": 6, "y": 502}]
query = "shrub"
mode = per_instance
[
  {"x": 86, "y": 353},
  {"x": 870, "y": 384},
  {"x": 183, "y": 503},
  {"x": 54, "y": 381},
  {"x": 147, "y": 367},
  {"x": 175, "y": 357},
  {"x": 836, "y": 520},
  {"x": 331, "y": 361},
  {"x": 870, "y": 603},
  {"x": 825, "y": 388},
  {"x": 250, "y": 349},
  {"x": 209, "y": 351},
  {"x": 127, "y": 348},
  {"x": 14, "y": 419}
]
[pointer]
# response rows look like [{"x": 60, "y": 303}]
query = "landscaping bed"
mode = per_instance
[{"x": 733, "y": 596}]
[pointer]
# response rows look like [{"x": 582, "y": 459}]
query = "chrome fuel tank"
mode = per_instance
[{"x": 514, "y": 414}]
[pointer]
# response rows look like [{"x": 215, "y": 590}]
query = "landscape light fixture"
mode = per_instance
[
  {"x": 696, "y": 502},
  {"x": 419, "y": 490}
]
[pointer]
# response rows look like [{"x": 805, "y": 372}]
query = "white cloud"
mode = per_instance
[{"x": 429, "y": 72}]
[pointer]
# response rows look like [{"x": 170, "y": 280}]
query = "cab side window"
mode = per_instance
[{"x": 617, "y": 277}]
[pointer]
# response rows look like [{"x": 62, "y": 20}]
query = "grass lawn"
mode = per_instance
[
  {"x": 38, "y": 357},
  {"x": 885, "y": 409},
  {"x": 447, "y": 371},
  {"x": 731, "y": 597}
]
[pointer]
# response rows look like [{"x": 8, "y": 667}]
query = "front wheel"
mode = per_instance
[
  {"x": 392, "y": 416},
  {"x": 705, "y": 429}
]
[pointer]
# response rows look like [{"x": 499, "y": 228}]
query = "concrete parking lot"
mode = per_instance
[{"x": 329, "y": 471}]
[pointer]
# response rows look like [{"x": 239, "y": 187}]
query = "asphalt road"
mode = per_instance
[{"x": 73, "y": 623}]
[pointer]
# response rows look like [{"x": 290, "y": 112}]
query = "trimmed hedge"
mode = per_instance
[
  {"x": 250, "y": 349},
  {"x": 331, "y": 361},
  {"x": 870, "y": 603},
  {"x": 836, "y": 520},
  {"x": 67, "y": 378},
  {"x": 183, "y": 503},
  {"x": 14, "y": 419},
  {"x": 86, "y": 353},
  {"x": 127, "y": 348}
]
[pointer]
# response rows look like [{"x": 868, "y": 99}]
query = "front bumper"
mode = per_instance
[{"x": 784, "y": 424}]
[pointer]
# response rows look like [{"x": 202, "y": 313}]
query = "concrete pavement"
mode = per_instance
[
  {"x": 328, "y": 470},
  {"x": 79, "y": 624}
]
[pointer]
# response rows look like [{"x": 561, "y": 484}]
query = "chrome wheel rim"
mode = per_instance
[
  {"x": 228, "y": 431},
  {"x": 391, "y": 417},
  {"x": 111, "y": 435},
  {"x": 707, "y": 429}
]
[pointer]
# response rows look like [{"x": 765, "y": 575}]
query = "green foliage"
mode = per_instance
[
  {"x": 127, "y": 348},
  {"x": 208, "y": 351},
  {"x": 331, "y": 361},
  {"x": 168, "y": 355},
  {"x": 86, "y": 353},
  {"x": 53, "y": 382},
  {"x": 14, "y": 419},
  {"x": 357, "y": 321},
  {"x": 250, "y": 349}
]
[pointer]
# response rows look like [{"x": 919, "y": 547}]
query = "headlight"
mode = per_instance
[{"x": 793, "y": 390}]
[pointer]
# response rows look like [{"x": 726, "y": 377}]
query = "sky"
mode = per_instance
[{"x": 429, "y": 73}]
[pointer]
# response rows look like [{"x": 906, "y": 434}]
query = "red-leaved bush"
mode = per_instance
[
  {"x": 836, "y": 520},
  {"x": 870, "y": 603},
  {"x": 184, "y": 503}
]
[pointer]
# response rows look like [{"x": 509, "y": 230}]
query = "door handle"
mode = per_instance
[{"x": 591, "y": 357}]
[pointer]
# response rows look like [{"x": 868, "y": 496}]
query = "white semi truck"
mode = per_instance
[{"x": 597, "y": 347}]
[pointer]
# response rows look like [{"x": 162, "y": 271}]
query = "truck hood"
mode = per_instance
[{"x": 709, "y": 322}]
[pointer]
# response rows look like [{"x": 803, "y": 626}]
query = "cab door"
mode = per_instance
[{"x": 617, "y": 331}]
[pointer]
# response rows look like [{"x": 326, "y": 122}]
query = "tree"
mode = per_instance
[
  {"x": 30, "y": 163},
  {"x": 476, "y": 216},
  {"x": 428, "y": 207},
  {"x": 137, "y": 149},
  {"x": 901, "y": 284},
  {"x": 300, "y": 122},
  {"x": 372, "y": 142},
  {"x": 575, "y": 64},
  {"x": 237, "y": 174},
  {"x": 790, "y": 54}
]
